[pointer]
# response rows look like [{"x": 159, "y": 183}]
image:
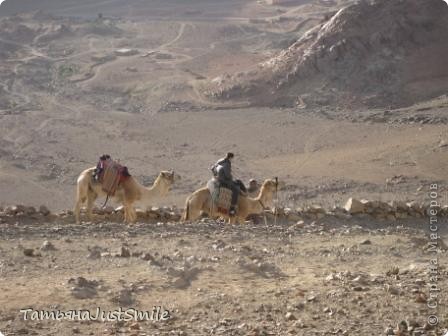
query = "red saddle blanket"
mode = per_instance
[
  {"x": 111, "y": 174},
  {"x": 221, "y": 196}
]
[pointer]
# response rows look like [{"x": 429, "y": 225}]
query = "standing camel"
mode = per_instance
[
  {"x": 128, "y": 192},
  {"x": 201, "y": 202}
]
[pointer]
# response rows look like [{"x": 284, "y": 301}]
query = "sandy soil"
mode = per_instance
[
  {"x": 68, "y": 94},
  {"x": 328, "y": 277},
  {"x": 67, "y": 97}
]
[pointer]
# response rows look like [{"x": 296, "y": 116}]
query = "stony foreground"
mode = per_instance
[
  {"x": 331, "y": 276},
  {"x": 373, "y": 209}
]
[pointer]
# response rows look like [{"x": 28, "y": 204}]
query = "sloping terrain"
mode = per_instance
[
  {"x": 130, "y": 82},
  {"x": 373, "y": 53},
  {"x": 73, "y": 88}
]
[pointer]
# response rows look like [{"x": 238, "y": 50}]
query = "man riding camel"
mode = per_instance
[{"x": 222, "y": 170}]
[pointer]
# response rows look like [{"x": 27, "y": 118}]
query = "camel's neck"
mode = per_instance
[
  {"x": 263, "y": 200},
  {"x": 158, "y": 189},
  {"x": 265, "y": 197}
]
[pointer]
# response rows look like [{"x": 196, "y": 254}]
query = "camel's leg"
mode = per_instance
[
  {"x": 193, "y": 213},
  {"x": 91, "y": 197},
  {"x": 81, "y": 196},
  {"x": 127, "y": 213},
  {"x": 77, "y": 210},
  {"x": 186, "y": 213},
  {"x": 133, "y": 214}
]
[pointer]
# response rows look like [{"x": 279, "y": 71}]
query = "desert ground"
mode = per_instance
[{"x": 83, "y": 78}]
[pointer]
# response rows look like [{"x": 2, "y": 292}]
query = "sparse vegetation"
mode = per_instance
[{"x": 67, "y": 70}]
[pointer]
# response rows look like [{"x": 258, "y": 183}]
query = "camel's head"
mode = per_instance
[
  {"x": 271, "y": 185},
  {"x": 169, "y": 177}
]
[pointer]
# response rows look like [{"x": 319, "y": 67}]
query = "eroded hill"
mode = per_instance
[{"x": 375, "y": 54}]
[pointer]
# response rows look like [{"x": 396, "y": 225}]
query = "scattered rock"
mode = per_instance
[
  {"x": 83, "y": 288},
  {"x": 354, "y": 206},
  {"x": 124, "y": 252},
  {"x": 47, "y": 246},
  {"x": 389, "y": 331},
  {"x": 95, "y": 252},
  {"x": 126, "y": 52},
  {"x": 290, "y": 317},
  {"x": 393, "y": 271},
  {"x": 392, "y": 290},
  {"x": 124, "y": 297},
  {"x": 183, "y": 276},
  {"x": 29, "y": 252}
]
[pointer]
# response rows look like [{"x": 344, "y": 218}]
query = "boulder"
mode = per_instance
[
  {"x": 141, "y": 214},
  {"x": 354, "y": 206},
  {"x": 44, "y": 210}
]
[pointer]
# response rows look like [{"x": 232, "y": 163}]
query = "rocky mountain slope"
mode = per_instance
[{"x": 375, "y": 54}]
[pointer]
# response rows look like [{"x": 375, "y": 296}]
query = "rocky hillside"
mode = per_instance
[{"x": 377, "y": 54}]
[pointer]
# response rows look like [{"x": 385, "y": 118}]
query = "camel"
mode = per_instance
[
  {"x": 201, "y": 202},
  {"x": 129, "y": 191}
]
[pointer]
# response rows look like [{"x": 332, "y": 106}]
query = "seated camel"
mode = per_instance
[
  {"x": 128, "y": 192},
  {"x": 201, "y": 202}
]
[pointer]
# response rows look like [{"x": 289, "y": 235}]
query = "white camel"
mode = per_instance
[{"x": 128, "y": 192}]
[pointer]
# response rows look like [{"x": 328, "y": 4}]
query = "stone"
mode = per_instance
[
  {"x": 393, "y": 271},
  {"x": 83, "y": 293},
  {"x": 95, "y": 252},
  {"x": 389, "y": 331},
  {"x": 141, "y": 214},
  {"x": 124, "y": 252},
  {"x": 126, "y": 52},
  {"x": 294, "y": 217},
  {"x": 354, "y": 206},
  {"x": 398, "y": 205},
  {"x": 392, "y": 290},
  {"x": 421, "y": 298},
  {"x": 119, "y": 209},
  {"x": 13, "y": 210},
  {"x": 124, "y": 297},
  {"x": 180, "y": 283},
  {"x": 29, "y": 252},
  {"x": 47, "y": 246},
  {"x": 44, "y": 210},
  {"x": 29, "y": 211},
  {"x": 83, "y": 289},
  {"x": 290, "y": 317},
  {"x": 316, "y": 209}
]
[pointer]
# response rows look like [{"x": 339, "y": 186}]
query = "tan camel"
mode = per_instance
[
  {"x": 129, "y": 191},
  {"x": 201, "y": 202}
]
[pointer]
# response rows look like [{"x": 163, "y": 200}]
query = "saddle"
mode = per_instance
[
  {"x": 221, "y": 196},
  {"x": 110, "y": 174}
]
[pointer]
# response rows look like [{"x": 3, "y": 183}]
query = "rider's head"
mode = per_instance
[{"x": 229, "y": 156}]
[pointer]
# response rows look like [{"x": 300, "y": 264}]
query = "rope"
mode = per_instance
[
  {"x": 104, "y": 205},
  {"x": 276, "y": 201}
]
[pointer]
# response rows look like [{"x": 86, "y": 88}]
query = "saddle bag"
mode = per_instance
[{"x": 110, "y": 174}]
